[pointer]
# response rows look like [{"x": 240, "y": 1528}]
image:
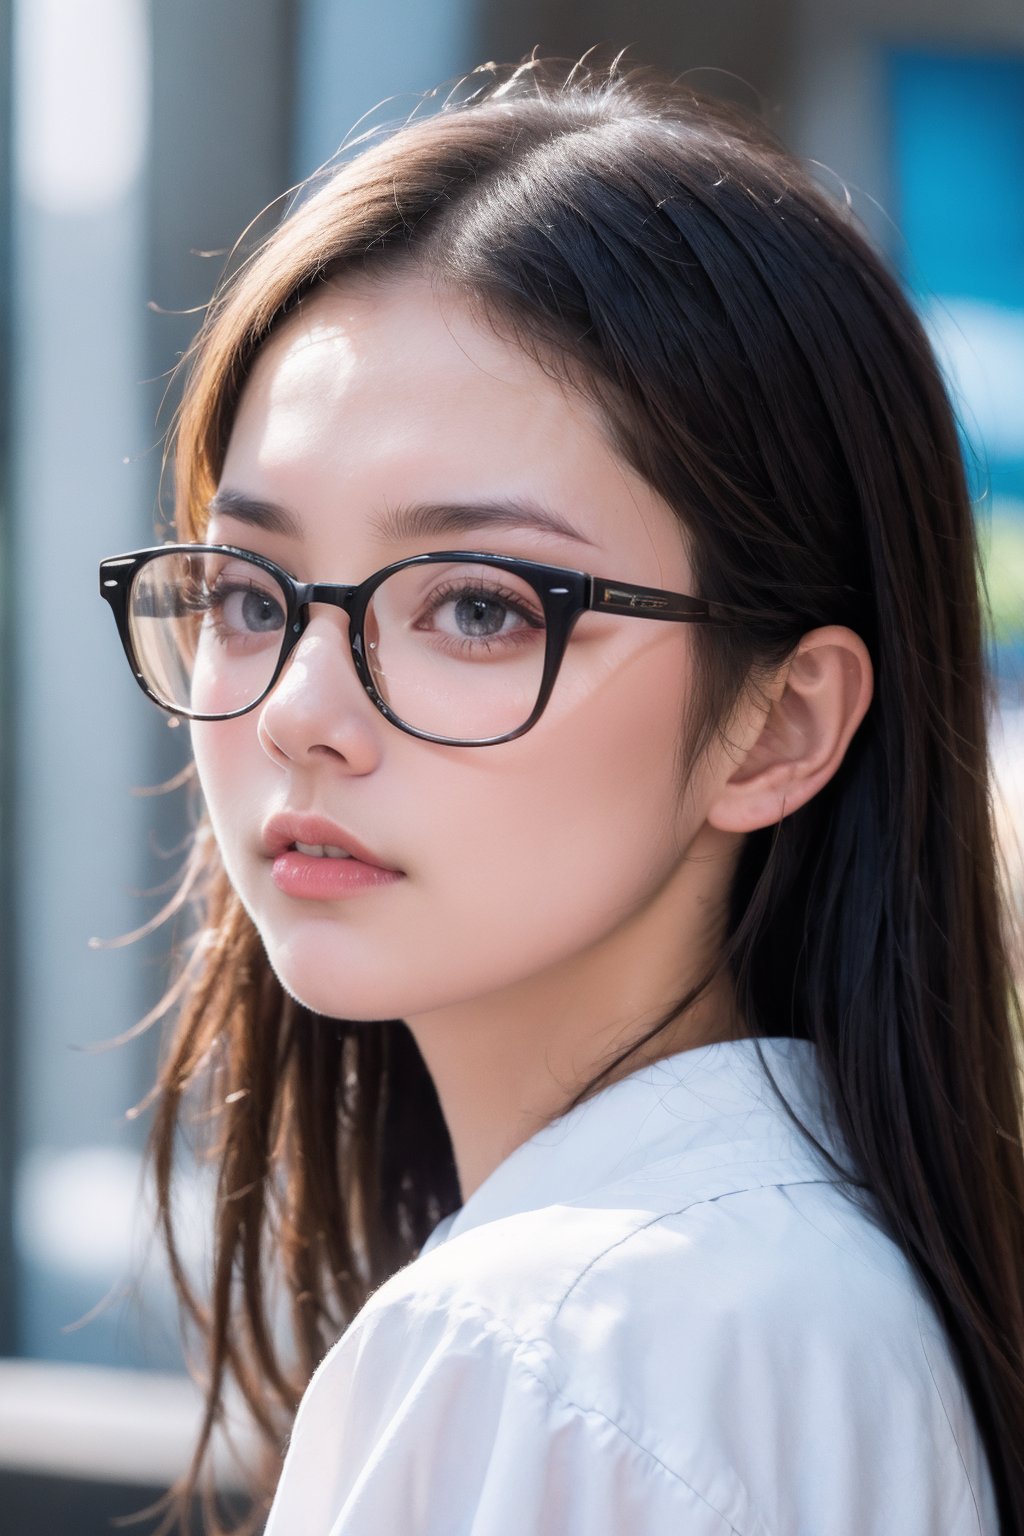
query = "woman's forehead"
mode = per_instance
[
  {"x": 356, "y": 336},
  {"x": 401, "y": 393}
]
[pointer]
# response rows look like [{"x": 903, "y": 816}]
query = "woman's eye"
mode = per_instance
[
  {"x": 248, "y": 610},
  {"x": 477, "y": 615},
  {"x": 471, "y": 613}
]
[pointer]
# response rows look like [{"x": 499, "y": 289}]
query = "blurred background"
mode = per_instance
[{"x": 138, "y": 139}]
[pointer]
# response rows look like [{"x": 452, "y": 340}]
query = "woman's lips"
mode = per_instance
[
  {"x": 348, "y": 869},
  {"x": 318, "y": 878},
  {"x": 283, "y": 831}
]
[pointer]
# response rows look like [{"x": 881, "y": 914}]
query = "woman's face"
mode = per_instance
[{"x": 511, "y": 860}]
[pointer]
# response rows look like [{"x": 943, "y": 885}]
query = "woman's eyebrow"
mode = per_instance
[
  {"x": 428, "y": 519},
  {"x": 268, "y": 515},
  {"x": 419, "y": 520}
]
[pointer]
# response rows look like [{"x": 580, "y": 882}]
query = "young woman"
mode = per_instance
[{"x": 603, "y": 1007}]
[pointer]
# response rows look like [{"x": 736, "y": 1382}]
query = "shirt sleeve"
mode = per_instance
[{"x": 448, "y": 1425}]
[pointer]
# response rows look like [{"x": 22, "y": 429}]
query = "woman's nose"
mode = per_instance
[{"x": 319, "y": 706}]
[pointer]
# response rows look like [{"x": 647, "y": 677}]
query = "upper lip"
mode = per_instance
[{"x": 282, "y": 832}]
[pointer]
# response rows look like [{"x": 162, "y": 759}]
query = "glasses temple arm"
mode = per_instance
[{"x": 653, "y": 603}]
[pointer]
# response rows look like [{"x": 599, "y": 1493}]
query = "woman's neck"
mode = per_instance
[{"x": 505, "y": 1066}]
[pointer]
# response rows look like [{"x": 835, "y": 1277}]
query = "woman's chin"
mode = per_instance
[
  {"x": 362, "y": 991},
  {"x": 333, "y": 999}
]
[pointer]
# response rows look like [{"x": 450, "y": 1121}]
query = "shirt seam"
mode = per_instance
[
  {"x": 725, "y": 1195},
  {"x": 654, "y": 1221},
  {"x": 471, "y": 1306},
  {"x": 538, "y": 1344},
  {"x": 945, "y": 1413},
  {"x": 555, "y": 1394}
]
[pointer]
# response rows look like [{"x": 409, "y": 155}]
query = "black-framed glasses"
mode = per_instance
[{"x": 455, "y": 647}]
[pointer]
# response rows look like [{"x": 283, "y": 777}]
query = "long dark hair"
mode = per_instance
[{"x": 753, "y": 359}]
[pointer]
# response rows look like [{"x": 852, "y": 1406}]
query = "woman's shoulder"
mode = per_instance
[
  {"x": 669, "y": 1290},
  {"x": 774, "y": 1241},
  {"x": 806, "y": 1256},
  {"x": 769, "y": 1337}
]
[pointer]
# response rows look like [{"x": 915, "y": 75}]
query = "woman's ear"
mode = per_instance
[{"x": 791, "y": 750}]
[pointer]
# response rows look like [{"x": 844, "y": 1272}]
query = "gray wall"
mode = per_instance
[{"x": 127, "y": 138}]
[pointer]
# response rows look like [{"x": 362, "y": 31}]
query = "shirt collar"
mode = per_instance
[{"x": 695, "y": 1100}]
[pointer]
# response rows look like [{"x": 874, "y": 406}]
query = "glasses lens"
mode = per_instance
[
  {"x": 456, "y": 649},
  {"x": 207, "y": 630}
]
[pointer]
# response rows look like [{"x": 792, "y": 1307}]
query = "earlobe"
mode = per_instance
[{"x": 795, "y": 747}]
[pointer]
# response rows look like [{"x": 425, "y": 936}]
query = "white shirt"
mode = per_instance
[{"x": 660, "y": 1316}]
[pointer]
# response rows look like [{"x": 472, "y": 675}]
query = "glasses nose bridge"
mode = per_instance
[{"x": 334, "y": 594}]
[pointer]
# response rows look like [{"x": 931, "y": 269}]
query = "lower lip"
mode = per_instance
[{"x": 315, "y": 879}]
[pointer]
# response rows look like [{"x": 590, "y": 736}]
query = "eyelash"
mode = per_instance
[{"x": 512, "y": 600}]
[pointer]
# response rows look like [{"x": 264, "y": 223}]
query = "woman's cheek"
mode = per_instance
[
  {"x": 228, "y": 763},
  {"x": 571, "y": 836}
]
